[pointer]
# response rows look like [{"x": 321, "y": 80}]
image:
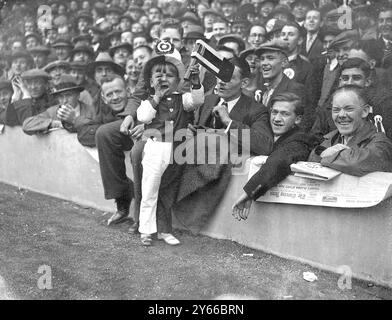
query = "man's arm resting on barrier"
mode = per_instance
[{"x": 359, "y": 161}]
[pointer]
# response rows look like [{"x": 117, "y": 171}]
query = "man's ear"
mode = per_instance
[
  {"x": 372, "y": 63},
  {"x": 368, "y": 82},
  {"x": 300, "y": 41},
  {"x": 298, "y": 120},
  {"x": 285, "y": 62},
  {"x": 365, "y": 111},
  {"x": 244, "y": 83}
]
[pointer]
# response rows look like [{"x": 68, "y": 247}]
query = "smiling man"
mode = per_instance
[
  {"x": 69, "y": 114},
  {"x": 272, "y": 56},
  {"x": 291, "y": 145},
  {"x": 355, "y": 147}
]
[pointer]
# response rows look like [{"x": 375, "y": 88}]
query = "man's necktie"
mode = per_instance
[
  {"x": 309, "y": 43},
  {"x": 216, "y": 121},
  {"x": 267, "y": 96}
]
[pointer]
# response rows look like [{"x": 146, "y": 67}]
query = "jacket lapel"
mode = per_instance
[{"x": 240, "y": 109}]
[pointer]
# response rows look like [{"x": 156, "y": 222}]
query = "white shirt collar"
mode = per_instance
[
  {"x": 334, "y": 63},
  {"x": 293, "y": 57},
  {"x": 230, "y": 104}
]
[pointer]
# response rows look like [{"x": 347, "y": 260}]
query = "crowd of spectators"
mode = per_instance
[{"x": 312, "y": 80}]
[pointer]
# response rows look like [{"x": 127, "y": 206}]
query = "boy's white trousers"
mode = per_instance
[{"x": 156, "y": 159}]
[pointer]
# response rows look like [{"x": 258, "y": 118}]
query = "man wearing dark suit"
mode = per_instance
[
  {"x": 385, "y": 30},
  {"x": 231, "y": 109},
  {"x": 291, "y": 145},
  {"x": 203, "y": 185},
  {"x": 301, "y": 71},
  {"x": 312, "y": 46}
]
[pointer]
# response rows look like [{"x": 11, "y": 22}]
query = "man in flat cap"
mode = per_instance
[
  {"x": 32, "y": 40},
  {"x": 83, "y": 53},
  {"x": 55, "y": 69},
  {"x": 40, "y": 56},
  {"x": 69, "y": 114},
  {"x": 31, "y": 96},
  {"x": 20, "y": 61},
  {"x": 273, "y": 58},
  {"x": 341, "y": 46},
  {"x": 121, "y": 53},
  {"x": 63, "y": 49}
]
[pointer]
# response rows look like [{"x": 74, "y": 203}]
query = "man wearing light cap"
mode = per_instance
[
  {"x": 273, "y": 58},
  {"x": 55, "y": 69},
  {"x": 341, "y": 45},
  {"x": 69, "y": 114},
  {"x": 31, "y": 96}
]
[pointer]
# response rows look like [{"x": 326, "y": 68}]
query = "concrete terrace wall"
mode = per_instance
[{"x": 328, "y": 238}]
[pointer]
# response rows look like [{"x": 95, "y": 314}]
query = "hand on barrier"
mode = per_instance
[
  {"x": 241, "y": 207},
  {"x": 333, "y": 150}
]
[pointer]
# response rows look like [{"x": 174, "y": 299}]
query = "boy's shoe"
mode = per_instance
[
  {"x": 134, "y": 228},
  {"x": 168, "y": 238},
  {"x": 146, "y": 239}
]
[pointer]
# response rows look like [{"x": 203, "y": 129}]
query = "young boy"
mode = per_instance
[{"x": 165, "y": 112}]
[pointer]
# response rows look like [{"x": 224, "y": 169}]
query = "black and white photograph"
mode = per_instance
[{"x": 195, "y": 156}]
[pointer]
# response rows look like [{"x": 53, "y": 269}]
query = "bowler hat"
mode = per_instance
[{"x": 66, "y": 83}]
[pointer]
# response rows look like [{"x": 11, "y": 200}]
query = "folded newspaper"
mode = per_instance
[{"x": 313, "y": 170}]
